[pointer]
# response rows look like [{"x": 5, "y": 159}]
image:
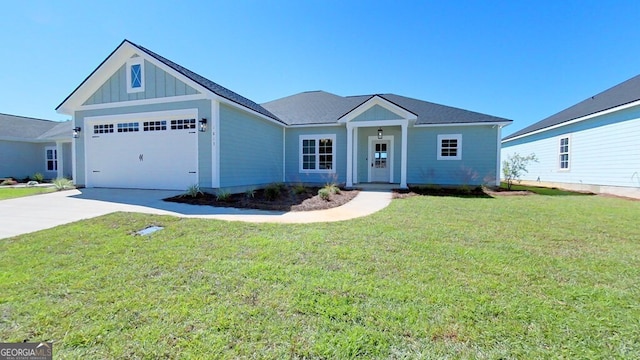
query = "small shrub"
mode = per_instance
[
  {"x": 223, "y": 196},
  {"x": 273, "y": 191},
  {"x": 332, "y": 188},
  {"x": 250, "y": 194},
  {"x": 299, "y": 189},
  {"x": 325, "y": 194},
  {"x": 7, "y": 182},
  {"x": 515, "y": 166},
  {"x": 63, "y": 184},
  {"x": 193, "y": 191},
  {"x": 38, "y": 177}
]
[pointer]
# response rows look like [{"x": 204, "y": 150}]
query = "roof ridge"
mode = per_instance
[
  {"x": 198, "y": 79},
  {"x": 29, "y": 117}
]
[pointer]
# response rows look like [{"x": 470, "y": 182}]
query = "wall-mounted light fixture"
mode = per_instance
[
  {"x": 203, "y": 124},
  {"x": 76, "y": 130},
  {"x": 379, "y": 133}
]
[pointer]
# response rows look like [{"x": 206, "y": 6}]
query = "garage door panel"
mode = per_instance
[{"x": 153, "y": 159}]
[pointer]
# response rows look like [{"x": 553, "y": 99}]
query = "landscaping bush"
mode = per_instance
[
  {"x": 273, "y": 191},
  {"x": 193, "y": 191},
  {"x": 38, "y": 177},
  {"x": 325, "y": 194},
  {"x": 222, "y": 195},
  {"x": 63, "y": 184}
]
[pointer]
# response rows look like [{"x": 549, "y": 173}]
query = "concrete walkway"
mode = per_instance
[{"x": 39, "y": 212}]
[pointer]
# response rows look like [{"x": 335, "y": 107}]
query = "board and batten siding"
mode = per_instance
[
  {"x": 158, "y": 84},
  {"x": 377, "y": 112},
  {"x": 292, "y": 157},
  {"x": 604, "y": 150},
  {"x": 204, "y": 138},
  {"x": 251, "y": 149},
  {"x": 477, "y": 166}
]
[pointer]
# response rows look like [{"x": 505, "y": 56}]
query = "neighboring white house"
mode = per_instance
[{"x": 591, "y": 146}]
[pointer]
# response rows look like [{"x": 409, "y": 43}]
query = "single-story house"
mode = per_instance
[
  {"x": 591, "y": 146},
  {"x": 29, "y": 146},
  {"x": 144, "y": 121}
]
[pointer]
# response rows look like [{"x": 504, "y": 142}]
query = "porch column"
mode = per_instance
[
  {"x": 60, "y": 159},
  {"x": 354, "y": 156},
  {"x": 403, "y": 157},
  {"x": 349, "y": 155}
]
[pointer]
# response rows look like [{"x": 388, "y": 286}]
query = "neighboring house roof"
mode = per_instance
[
  {"x": 621, "y": 94},
  {"x": 26, "y": 128},
  {"x": 319, "y": 107},
  {"x": 62, "y": 131}
]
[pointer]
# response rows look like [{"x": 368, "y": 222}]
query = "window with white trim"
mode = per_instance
[
  {"x": 135, "y": 75},
  {"x": 564, "y": 154},
  {"x": 450, "y": 147},
  {"x": 51, "y": 158},
  {"x": 318, "y": 153}
]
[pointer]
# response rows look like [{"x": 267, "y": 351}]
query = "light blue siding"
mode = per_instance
[
  {"x": 602, "y": 151},
  {"x": 478, "y": 164},
  {"x": 204, "y": 138},
  {"x": 158, "y": 84},
  {"x": 23, "y": 159},
  {"x": 377, "y": 112},
  {"x": 251, "y": 149},
  {"x": 293, "y": 174}
]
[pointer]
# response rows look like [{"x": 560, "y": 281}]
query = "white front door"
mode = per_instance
[{"x": 380, "y": 158}]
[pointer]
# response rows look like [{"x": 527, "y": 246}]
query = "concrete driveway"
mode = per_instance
[{"x": 39, "y": 212}]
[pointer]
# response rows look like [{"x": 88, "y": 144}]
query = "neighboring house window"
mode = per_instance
[
  {"x": 450, "y": 147},
  {"x": 564, "y": 153},
  {"x": 317, "y": 153},
  {"x": 135, "y": 75},
  {"x": 51, "y": 158}
]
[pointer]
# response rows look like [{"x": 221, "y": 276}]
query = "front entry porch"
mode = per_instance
[{"x": 377, "y": 153}]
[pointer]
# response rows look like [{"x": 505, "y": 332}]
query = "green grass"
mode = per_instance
[
  {"x": 428, "y": 277},
  {"x": 10, "y": 193}
]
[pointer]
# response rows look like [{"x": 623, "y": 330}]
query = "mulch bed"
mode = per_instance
[
  {"x": 443, "y": 191},
  {"x": 287, "y": 201}
]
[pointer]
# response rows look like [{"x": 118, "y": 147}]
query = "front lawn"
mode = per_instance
[
  {"x": 12, "y": 192},
  {"x": 428, "y": 277}
]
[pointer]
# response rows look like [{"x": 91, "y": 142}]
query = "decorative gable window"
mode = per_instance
[
  {"x": 317, "y": 153},
  {"x": 564, "y": 153},
  {"x": 135, "y": 75},
  {"x": 51, "y": 158},
  {"x": 450, "y": 147}
]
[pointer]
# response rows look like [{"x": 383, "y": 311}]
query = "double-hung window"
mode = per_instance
[
  {"x": 135, "y": 75},
  {"x": 450, "y": 147},
  {"x": 51, "y": 158},
  {"x": 317, "y": 153},
  {"x": 564, "y": 154}
]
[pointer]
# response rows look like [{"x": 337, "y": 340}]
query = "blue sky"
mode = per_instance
[{"x": 522, "y": 60}]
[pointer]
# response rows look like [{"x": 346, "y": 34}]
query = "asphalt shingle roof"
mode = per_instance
[
  {"x": 21, "y": 127},
  {"x": 621, "y": 94},
  {"x": 319, "y": 107},
  {"x": 214, "y": 87}
]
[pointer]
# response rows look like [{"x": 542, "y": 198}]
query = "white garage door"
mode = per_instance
[{"x": 142, "y": 154}]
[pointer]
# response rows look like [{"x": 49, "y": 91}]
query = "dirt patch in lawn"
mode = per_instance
[{"x": 289, "y": 199}]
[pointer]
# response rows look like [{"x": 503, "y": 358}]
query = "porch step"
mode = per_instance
[{"x": 376, "y": 187}]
